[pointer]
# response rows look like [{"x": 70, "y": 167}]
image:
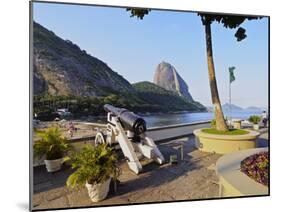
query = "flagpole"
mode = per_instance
[
  {"x": 230, "y": 101},
  {"x": 231, "y": 79}
]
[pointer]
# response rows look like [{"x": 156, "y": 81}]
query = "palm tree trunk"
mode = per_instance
[{"x": 220, "y": 122}]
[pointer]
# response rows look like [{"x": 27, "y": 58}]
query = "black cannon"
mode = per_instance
[
  {"x": 128, "y": 130},
  {"x": 129, "y": 120}
]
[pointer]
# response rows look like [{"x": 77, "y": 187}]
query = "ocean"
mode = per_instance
[{"x": 185, "y": 117}]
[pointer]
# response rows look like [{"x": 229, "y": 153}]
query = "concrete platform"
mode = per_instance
[{"x": 192, "y": 178}]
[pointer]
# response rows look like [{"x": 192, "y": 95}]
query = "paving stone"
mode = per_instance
[
  {"x": 37, "y": 199},
  {"x": 192, "y": 178},
  {"x": 61, "y": 202},
  {"x": 79, "y": 197},
  {"x": 54, "y": 194},
  {"x": 42, "y": 186}
]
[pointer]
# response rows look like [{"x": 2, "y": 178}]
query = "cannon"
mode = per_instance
[
  {"x": 128, "y": 130},
  {"x": 129, "y": 120}
]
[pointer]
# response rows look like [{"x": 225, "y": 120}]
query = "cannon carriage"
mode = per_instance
[{"x": 128, "y": 130}]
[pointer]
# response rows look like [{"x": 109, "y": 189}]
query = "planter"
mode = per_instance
[
  {"x": 256, "y": 127},
  {"x": 98, "y": 192},
  {"x": 223, "y": 144},
  {"x": 233, "y": 182},
  {"x": 53, "y": 165}
]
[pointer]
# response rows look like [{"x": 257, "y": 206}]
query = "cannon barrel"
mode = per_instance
[{"x": 129, "y": 120}]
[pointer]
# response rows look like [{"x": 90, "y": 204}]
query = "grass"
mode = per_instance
[{"x": 229, "y": 132}]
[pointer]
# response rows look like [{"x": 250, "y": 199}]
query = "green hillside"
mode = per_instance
[
  {"x": 147, "y": 97},
  {"x": 160, "y": 99}
]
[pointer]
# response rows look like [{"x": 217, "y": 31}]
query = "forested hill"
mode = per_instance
[{"x": 156, "y": 95}]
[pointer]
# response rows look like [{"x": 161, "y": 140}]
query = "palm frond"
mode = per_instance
[
  {"x": 52, "y": 144},
  {"x": 93, "y": 165}
]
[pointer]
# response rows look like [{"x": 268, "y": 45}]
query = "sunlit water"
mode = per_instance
[
  {"x": 154, "y": 120},
  {"x": 180, "y": 118}
]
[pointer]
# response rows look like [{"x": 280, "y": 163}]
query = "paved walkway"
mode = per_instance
[{"x": 192, "y": 178}]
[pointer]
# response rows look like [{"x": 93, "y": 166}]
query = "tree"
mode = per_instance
[{"x": 228, "y": 21}]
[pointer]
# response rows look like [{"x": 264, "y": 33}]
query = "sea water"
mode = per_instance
[{"x": 154, "y": 120}]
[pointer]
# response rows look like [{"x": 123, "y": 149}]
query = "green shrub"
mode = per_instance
[
  {"x": 254, "y": 119},
  {"x": 52, "y": 144},
  {"x": 93, "y": 165}
]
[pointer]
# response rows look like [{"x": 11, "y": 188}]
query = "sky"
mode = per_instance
[{"x": 134, "y": 47}]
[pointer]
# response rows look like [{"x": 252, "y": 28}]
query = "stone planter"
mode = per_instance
[
  {"x": 223, "y": 144},
  {"x": 98, "y": 192},
  {"x": 53, "y": 165},
  {"x": 233, "y": 182}
]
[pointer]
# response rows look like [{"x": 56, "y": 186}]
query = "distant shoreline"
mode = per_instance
[{"x": 83, "y": 118}]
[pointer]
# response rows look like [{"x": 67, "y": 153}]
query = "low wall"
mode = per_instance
[
  {"x": 162, "y": 132},
  {"x": 175, "y": 131},
  {"x": 158, "y": 134}
]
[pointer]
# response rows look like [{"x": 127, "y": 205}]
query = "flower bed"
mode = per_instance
[{"x": 256, "y": 167}]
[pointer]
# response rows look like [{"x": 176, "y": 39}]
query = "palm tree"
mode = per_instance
[
  {"x": 228, "y": 21},
  {"x": 220, "y": 121}
]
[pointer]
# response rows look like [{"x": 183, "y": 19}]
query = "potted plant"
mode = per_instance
[
  {"x": 255, "y": 120},
  {"x": 95, "y": 166},
  {"x": 53, "y": 146}
]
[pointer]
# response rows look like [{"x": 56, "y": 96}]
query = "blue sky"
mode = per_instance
[{"x": 133, "y": 48}]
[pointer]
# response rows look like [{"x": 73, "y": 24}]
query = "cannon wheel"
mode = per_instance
[{"x": 100, "y": 138}]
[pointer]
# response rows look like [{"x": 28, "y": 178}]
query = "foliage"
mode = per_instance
[
  {"x": 93, "y": 165},
  {"x": 254, "y": 119},
  {"x": 228, "y": 21},
  {"x": 257, "y": 167},
  {"x": 229, "y": 132},
  {"x": 138, "y": 12},
  {"x": 52, "y": 144},
  {"x": 213, "y": 123},
  {"x": 164, "y": 100},
  {"x": 147, "y": 97}
]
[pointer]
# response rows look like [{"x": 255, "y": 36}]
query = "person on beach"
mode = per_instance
[{"x": 264, "y": 118}]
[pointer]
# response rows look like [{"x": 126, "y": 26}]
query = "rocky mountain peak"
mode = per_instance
[{"x": 167, "y": 77}]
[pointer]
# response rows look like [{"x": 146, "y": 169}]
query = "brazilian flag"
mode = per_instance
[{"x": 231, "y": 74}]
